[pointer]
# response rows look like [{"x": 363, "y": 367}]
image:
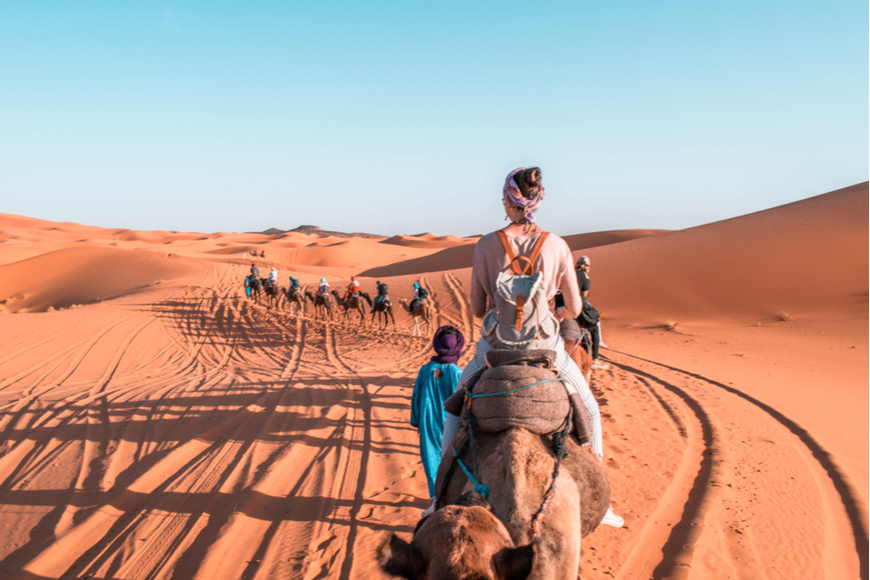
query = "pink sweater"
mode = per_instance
[{"x": 555, "y": 261}]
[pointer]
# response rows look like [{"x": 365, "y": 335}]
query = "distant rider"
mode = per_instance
[
  {"x": 383, "y": 292},
  {"x": 352, "y": 288},
  {"x": 589, "y": 318},
  {"x": 420, "y": 295}
]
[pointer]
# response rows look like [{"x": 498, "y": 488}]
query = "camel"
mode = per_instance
[
  {"x": 383, "y": 308},
  {"x": 491, "y": 555},
  {"x": 293, "y": 297},
  {"x": 256, "y": 289},
  {"x": 578, "y": 343},
  {"x": 354, "y": 303},
  {"x": 580, "y": 499},
  {"x": 274, "y": 292},
  {"x": 420, "y": 310},
  {"x": 321, "y": 303}
]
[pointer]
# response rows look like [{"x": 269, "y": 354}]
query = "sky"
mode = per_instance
[{"x": 405, "y": 117}]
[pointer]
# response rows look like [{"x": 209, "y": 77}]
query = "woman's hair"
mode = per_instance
[{"x": 529, "y": 182}]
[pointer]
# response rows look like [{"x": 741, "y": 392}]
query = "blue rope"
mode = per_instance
[
  {"x": 480, "y": 488},
  {"x": 473, "y": 396}
]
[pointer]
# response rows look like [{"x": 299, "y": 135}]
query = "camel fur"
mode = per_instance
[
  {"x": 421, "y": 310},
  {"x": 481, "y": 547},
  {"x": 383, "y": 308},
  {"x": 321, "y": 305},
  {"x": 293, "y": 297},
  {"x": 518, "y": 465},
  {"x": 353, "y": 303}
]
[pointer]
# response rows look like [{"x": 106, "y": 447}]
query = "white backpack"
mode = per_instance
[{"x": 521, "y": 318}]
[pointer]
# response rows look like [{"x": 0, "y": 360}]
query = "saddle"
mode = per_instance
[{"x": 520, "y": 388}]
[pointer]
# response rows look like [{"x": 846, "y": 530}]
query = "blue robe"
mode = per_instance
[{"x": 428, "y": 414}]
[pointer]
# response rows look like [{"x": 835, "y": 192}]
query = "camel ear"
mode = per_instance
[
  {"x": 399, "y": 558},
  {"x": 514, "y": 563}
]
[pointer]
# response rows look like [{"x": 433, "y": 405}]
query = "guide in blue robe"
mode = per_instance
[{"x": 436, "y": 381}]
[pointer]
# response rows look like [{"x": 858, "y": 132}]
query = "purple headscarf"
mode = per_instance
[
  {"x": 512, "y": 195},
  {"x": 448, "y": 346}
]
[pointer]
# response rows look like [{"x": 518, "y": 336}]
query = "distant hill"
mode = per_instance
[{"x": 316, "y": 231}]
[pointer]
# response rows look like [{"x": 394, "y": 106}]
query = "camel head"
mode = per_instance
[{"x": 457, "y": 542}]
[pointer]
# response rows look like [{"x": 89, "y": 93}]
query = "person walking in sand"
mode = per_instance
[
  {"x": 522, "y": 194},
  {"x": 436, "y": 381},
  {"x": 589, "y": 318}
]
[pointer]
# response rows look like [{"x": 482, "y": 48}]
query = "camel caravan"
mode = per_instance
[
  {"x": 513, "y": 452},
  {"x": 326, "y": 302}
]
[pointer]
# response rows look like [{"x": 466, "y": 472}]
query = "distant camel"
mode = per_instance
[
  {"x": 420, "y": 310},
  {"x": 383, "y": 308},
  {"x": 293, "y": 297},
  {"x": 578, "y": 343},
  {"x": 353, "y": 303},
  {"x": 321, "y": 302},
  {"x": 256, "y": 288},
  {"x": 274, "y": 292}
]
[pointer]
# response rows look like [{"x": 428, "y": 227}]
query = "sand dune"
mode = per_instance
[
  {"x": 458, "y": 256},
  {"x": 181, "y": 431},
  {"x": 427, "y": 241},
  {"x": 790, "y": 259},
  {"x": 62, "y": 278},
  {"x": 594, "y": 239}
]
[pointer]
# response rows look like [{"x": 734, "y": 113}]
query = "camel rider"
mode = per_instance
[
  {"x": 255, "y": 271},
  {"x": 352, "y": 288},
  {"x": 383, "y": 292},
  {"x": 324, "y": 287},
  {"x": 273, "y": 276},
  {"x": 294, "y": 283},
  {"x": 420, "y": 295}
]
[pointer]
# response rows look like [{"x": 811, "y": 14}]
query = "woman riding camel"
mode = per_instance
[
  {"x": 351, "y": 288},
  {"x": 522, "y": 194}
]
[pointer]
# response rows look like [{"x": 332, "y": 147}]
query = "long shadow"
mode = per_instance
[
  {"x": 358, "y": 500},
  {"x": 846, "y": 492}
]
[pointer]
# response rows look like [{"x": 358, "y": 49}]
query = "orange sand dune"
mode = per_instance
[
  {"x": 182, "y": 431},
  {"x": 595, "y": 239},
  {"x": 427, "y": 241},
  {"x": 456, "y": 256},
  {"x": 808, "y": 256},
  {"x": 62, "y": 278}
]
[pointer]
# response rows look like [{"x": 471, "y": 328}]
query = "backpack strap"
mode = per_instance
[{"x": 514, "y": 259}]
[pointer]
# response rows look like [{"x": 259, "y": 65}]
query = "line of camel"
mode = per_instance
[{"x": 278, "y": 297}]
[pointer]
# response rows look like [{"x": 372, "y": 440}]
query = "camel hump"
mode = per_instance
[{"x": 519, "y": 395}]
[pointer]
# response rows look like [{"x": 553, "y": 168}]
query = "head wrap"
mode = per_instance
[
  {"x": 448, "y": 346},
  {"x": 512, "y": 195}
]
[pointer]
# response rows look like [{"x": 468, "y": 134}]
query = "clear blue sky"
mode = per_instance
[{"x": 391, "y": 117}]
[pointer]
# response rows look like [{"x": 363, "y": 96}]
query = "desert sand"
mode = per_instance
[{"x": 157, "y": 424}]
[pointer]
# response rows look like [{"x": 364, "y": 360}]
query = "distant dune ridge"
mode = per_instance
[
  {"x": 157, "y": 423},
  {"x": 807, "y": 256}
]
